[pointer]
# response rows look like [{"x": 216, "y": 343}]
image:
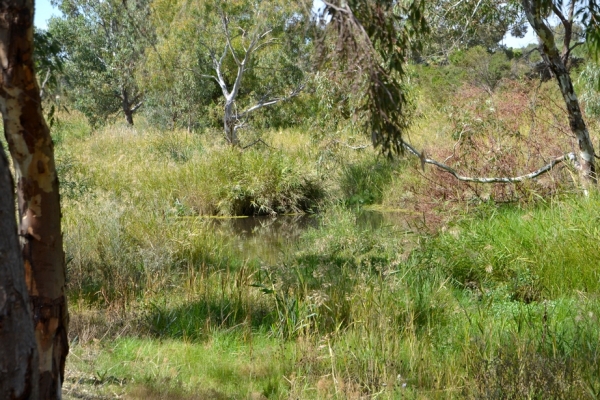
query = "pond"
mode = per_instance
[{"x": 267, "y": 238}]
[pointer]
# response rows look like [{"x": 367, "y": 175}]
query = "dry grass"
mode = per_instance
[{"x": 164, "y": 308}]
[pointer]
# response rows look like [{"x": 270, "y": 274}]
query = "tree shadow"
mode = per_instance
[{"x": 196, "y": 320}]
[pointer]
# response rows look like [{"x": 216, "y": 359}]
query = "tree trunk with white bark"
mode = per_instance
[{"x": 229, "y": 123}]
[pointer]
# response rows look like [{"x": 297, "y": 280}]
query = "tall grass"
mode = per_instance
[
  {"x": 352, "y": 313},
  {"x": 501, "y": 304},
  {"x": 131, "y": 202},
  {"x": 532, "y": 254},
  {"x": 365, "y": 183}
]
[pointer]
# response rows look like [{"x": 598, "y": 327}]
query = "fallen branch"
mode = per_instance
[{"x": 546, "y": 168}]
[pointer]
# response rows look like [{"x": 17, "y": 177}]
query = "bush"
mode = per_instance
[{"x": 364, "y": 182}]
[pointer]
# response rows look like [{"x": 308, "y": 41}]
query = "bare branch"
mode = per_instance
[
  {"x": 546, "y": 168},
  {"x": 571, "y": 10},
  {"x": 270, "y": 102},
  {"x": 220, "y": 80},
  {"x": 256, "y": 142},
  {"x": 559, "y": 14},
  {"x": 42, "y": 89},
  {"x": 265, "y": 34},
  {"x": 228, "y": 37},
  {"x": 136, "y": 107},
  {"x": 264, "y": 44},
  {"x": 577, "y": 44},
  {"x": 208, "y": 77},
  {"x": 242, "y": 67},
  {"x": 261, "y": 105}
]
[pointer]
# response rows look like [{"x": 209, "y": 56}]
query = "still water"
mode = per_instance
[{"x": 267, "y": 238}]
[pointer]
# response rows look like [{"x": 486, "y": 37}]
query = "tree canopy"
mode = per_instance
[
  {"x": 104, "y": 45},
  {"x": 211, "y": 54}
]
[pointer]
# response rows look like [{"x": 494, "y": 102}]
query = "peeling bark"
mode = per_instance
[
  {"x": 18, "y": 351},
  {"x": 39, "y": 228},
  {"x": 553, "y": 58}
]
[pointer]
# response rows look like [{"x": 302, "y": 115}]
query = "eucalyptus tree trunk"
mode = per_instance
[
  {"x": 18, "y": 351},
  {"x": 130, "y": 103},
  {"x": 38, "y": 199},
  {"x": 127, "y": 108},
  {"x": 229, "y": 121},
  {"x": 557, "y": 64}
]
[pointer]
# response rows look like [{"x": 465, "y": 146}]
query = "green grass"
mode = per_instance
[
  {"x": 349, "y": 313},
  {"x": 365, "y": 183},
  {"x": 501, "y": 303},
  {"x": 157, "y": 369},
  {"x": 534, "y": 254}
]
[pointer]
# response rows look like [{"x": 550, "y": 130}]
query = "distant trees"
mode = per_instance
[
  {"x": 176, "y": 94},
  {"x": 250, "y": 52},
  {"x": 458, "y": 25},
  {"x": 484, "y": 69},
  {"x": 104, "y": 43},
  {"x": 187, "y": 63},
  {"x": 49, "y": 60}
]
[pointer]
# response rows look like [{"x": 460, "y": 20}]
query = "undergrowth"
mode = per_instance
[
  {"x": 353, "y": 312},
  {"x": 466, "y": 298}
]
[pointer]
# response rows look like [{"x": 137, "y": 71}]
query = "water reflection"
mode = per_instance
[
  {"x": 375, "y": 219},
  {"x": 265, "y": 238}
]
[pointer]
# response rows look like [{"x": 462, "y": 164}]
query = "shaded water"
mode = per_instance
[{"x": 267, "y": 238}]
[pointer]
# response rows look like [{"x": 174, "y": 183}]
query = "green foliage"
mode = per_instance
[
  {"x": 121, "y": 189},
  {"x": 358, "y": 305},
  {"x": 181, "y": 78},
  {"x": 47, "y": 52},
  {"x": 438, "y": 83},
  {"x": 589, "y": 15},
  {"x": 165, "y": 304},
  {"x": 104, "y": 44},
  {"x": 503, "y": 304},
  {"x": 543, "y": 253},
  {"x": 590, "y": 79},
  {"x": 254, "y": 182},
  {"x": 482, "y": 68},
  {"x": 469, "y": 24},
  {"x": 49, "y": 65},
  {"x": 174, "y": 369},
  {"x": 176, "y": 92},
  {"x": 373, "y": 42},
  {"x": 364, "y": 183}
]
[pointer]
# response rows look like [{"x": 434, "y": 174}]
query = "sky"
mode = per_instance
[
  {"x": 511, "y": 41},
  {"x": 44, "y": 10}
]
